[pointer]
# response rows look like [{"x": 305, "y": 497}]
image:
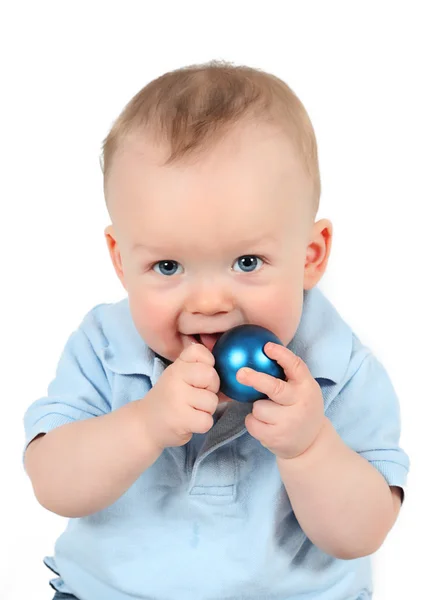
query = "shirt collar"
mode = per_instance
[
  {"x": 323, "y": 341},
  {"x": 126, "y": 352}
]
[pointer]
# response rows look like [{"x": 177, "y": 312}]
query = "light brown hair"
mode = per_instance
[{"x": 192, "y": 107}]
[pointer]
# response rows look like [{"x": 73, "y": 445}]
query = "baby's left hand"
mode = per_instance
[{"x": 290, "y": 421}]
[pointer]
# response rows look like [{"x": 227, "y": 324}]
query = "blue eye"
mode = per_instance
[
  {"x": 167, "y": 267},
  {"x": 247, "y": 264}
]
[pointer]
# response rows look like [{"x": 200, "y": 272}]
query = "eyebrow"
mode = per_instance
[
  {"x": 146, "y": 247},
  {"x": 248, "y": 242}
]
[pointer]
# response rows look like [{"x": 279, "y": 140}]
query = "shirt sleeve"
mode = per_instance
[
  {"x": 80, "y": 390},
  {"x": 366, "y": 414}
]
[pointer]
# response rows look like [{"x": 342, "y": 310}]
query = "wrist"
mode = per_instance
[
  {"x": 316, "y": 451},
  {"x": 145, "y": 441}
]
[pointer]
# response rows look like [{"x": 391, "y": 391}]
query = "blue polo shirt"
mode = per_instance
[{"x": 211, "y": 520}]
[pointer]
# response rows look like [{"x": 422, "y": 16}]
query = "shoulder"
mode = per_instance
[
  {"x": 325, "y": 341},
  {"x": 104, "y": 321},
  {"x": 114, "y": 338},
  {"x": 333, "y": 352}
]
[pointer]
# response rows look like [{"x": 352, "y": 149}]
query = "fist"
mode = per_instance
[{"x": 184, "y": 399}]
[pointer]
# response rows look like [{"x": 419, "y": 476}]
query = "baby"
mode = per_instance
[{"x": 174, "y": 491}]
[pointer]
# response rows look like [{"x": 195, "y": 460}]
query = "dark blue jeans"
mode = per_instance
[{"x": 61, "y": 596}]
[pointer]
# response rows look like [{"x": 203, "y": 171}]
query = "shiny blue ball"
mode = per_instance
[{"x": 239, "y": 347}]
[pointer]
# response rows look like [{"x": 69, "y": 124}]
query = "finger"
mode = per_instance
[
  {"x": 201, "y": 375},
  {"x": 266, "y": 411},
  {"x": 205, "y": 401},
  {"x": 202, "y": 422},
  {"x": 276, "y": 389},
  {"x": 293, "y": 366},
  {"x": 197, "y": 353},
  {"x": 259, "y": 430}
]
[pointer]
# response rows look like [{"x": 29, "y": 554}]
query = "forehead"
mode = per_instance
[{"x": 252, "y": 180}]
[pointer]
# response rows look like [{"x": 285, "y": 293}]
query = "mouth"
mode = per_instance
[{"x": 207, "y": 339}]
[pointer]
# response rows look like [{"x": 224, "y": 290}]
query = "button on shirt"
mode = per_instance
[{"x": 211, "y": 520}]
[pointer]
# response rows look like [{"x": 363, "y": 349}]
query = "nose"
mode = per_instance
[{"x": 209, "y": 298}]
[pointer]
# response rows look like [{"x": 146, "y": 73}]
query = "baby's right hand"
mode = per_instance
[{"x": 183, "y": 400}]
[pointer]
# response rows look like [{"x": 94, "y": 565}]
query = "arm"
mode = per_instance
[
  {"x": 84, "y": 466},
  {"x": 338, "y": 493},
  {"x": 343, "y": 504}
]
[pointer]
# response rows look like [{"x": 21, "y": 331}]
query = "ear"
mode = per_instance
[
  {"x": 114, "y": 252},
  {"x": 318, "y": 251}
]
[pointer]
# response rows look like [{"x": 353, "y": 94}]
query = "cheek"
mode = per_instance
[
  {"x": 152, "y": 317},
  {"x": 280, "y": 311}
]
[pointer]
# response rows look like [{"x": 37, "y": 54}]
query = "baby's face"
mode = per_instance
[{"x": 205, "y": 246}]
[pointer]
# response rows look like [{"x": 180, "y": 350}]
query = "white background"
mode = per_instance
[{"x": 362, "y": 69}]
